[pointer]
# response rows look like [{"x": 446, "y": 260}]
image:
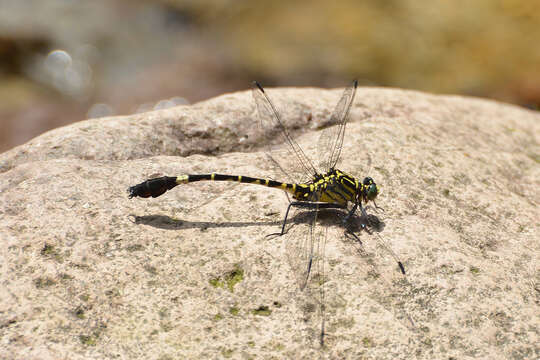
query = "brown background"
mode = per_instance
[{"x": 132, "y": 56}]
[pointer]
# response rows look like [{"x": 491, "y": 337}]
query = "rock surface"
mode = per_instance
[{"x": 88, "y": 273}]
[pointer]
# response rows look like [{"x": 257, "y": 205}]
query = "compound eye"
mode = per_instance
[
  {"x": 367, "y": 181},
  {"x": 372, "y": 192}
]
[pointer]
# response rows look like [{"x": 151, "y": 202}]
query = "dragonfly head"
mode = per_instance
[{"x": 370, "y": 190}]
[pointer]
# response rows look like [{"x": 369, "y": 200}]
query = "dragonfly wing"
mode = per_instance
[
  {"x": 331, "y": 139},
  {"x": 306, "y": 255},
  {"x": 289, "y": 159}
]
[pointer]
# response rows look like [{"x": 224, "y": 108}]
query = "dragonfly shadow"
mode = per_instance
[
  {"x": 369, "y": 223},
  {"x": 336, "y": 217},
  {"x": 326, "y": 217},
  {"x": 169, "y": 223},
  {"x": 355, "y": 223}
]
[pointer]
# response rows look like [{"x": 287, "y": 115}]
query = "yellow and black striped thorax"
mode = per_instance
[{"x": 333, "y": 187}]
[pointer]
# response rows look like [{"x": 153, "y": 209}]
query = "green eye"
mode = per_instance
[{"x": 372, "y": 192}]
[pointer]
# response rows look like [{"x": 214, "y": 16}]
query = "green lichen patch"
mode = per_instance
[
  {"x": 49, "y": 251},
  {"x": 79, "y": 313},
  {"x": 217, "y": 283},
  {"x": 234, "y": 311},
  {"x": 88, "y": 340},
  {"x": 44, "y": 282},
  {"x": 227, "y": 353},
  {"x": 262, "y": 310},
  {"x": 234, "y": 277},
  {"x": 367, "y": 342},
  {"x": 229, "y": 280}
]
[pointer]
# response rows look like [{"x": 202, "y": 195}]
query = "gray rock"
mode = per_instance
[{"x": 88, "y": 273}]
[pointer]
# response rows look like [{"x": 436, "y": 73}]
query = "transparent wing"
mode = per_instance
[
  {"x": 291, "y": 160},
  {"x": 302, "y": 246},
  {"x": 320, "y": 281},
  {"x": 306, "y": 255},
  {"x": 331, "y": 139}
]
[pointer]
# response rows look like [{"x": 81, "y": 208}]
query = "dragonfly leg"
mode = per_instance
[
  {"x": 305, "y": 205},
  {"x": 364, "y": 213},
  {"x": 378, "y": 207},
  {"x": 285, "y": 219},
  {"x": 346, "y": 219},
  {"x": 294, "y": 203},
  {"x": 353, "y": 210}
]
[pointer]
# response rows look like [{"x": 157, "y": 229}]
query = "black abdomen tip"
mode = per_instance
[{"x": 152, "y": 187}]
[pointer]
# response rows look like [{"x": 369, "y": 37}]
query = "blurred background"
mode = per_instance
[{"x": 66, "y": 60}]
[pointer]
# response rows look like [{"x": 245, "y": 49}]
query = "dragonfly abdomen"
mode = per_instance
[{"x": 157, "y": 186}]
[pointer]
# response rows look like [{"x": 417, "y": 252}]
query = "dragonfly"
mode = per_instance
[{"x": 312, "y": 187}]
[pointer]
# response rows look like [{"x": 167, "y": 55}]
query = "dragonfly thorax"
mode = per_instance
[{"x": 336, "y": 187}]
